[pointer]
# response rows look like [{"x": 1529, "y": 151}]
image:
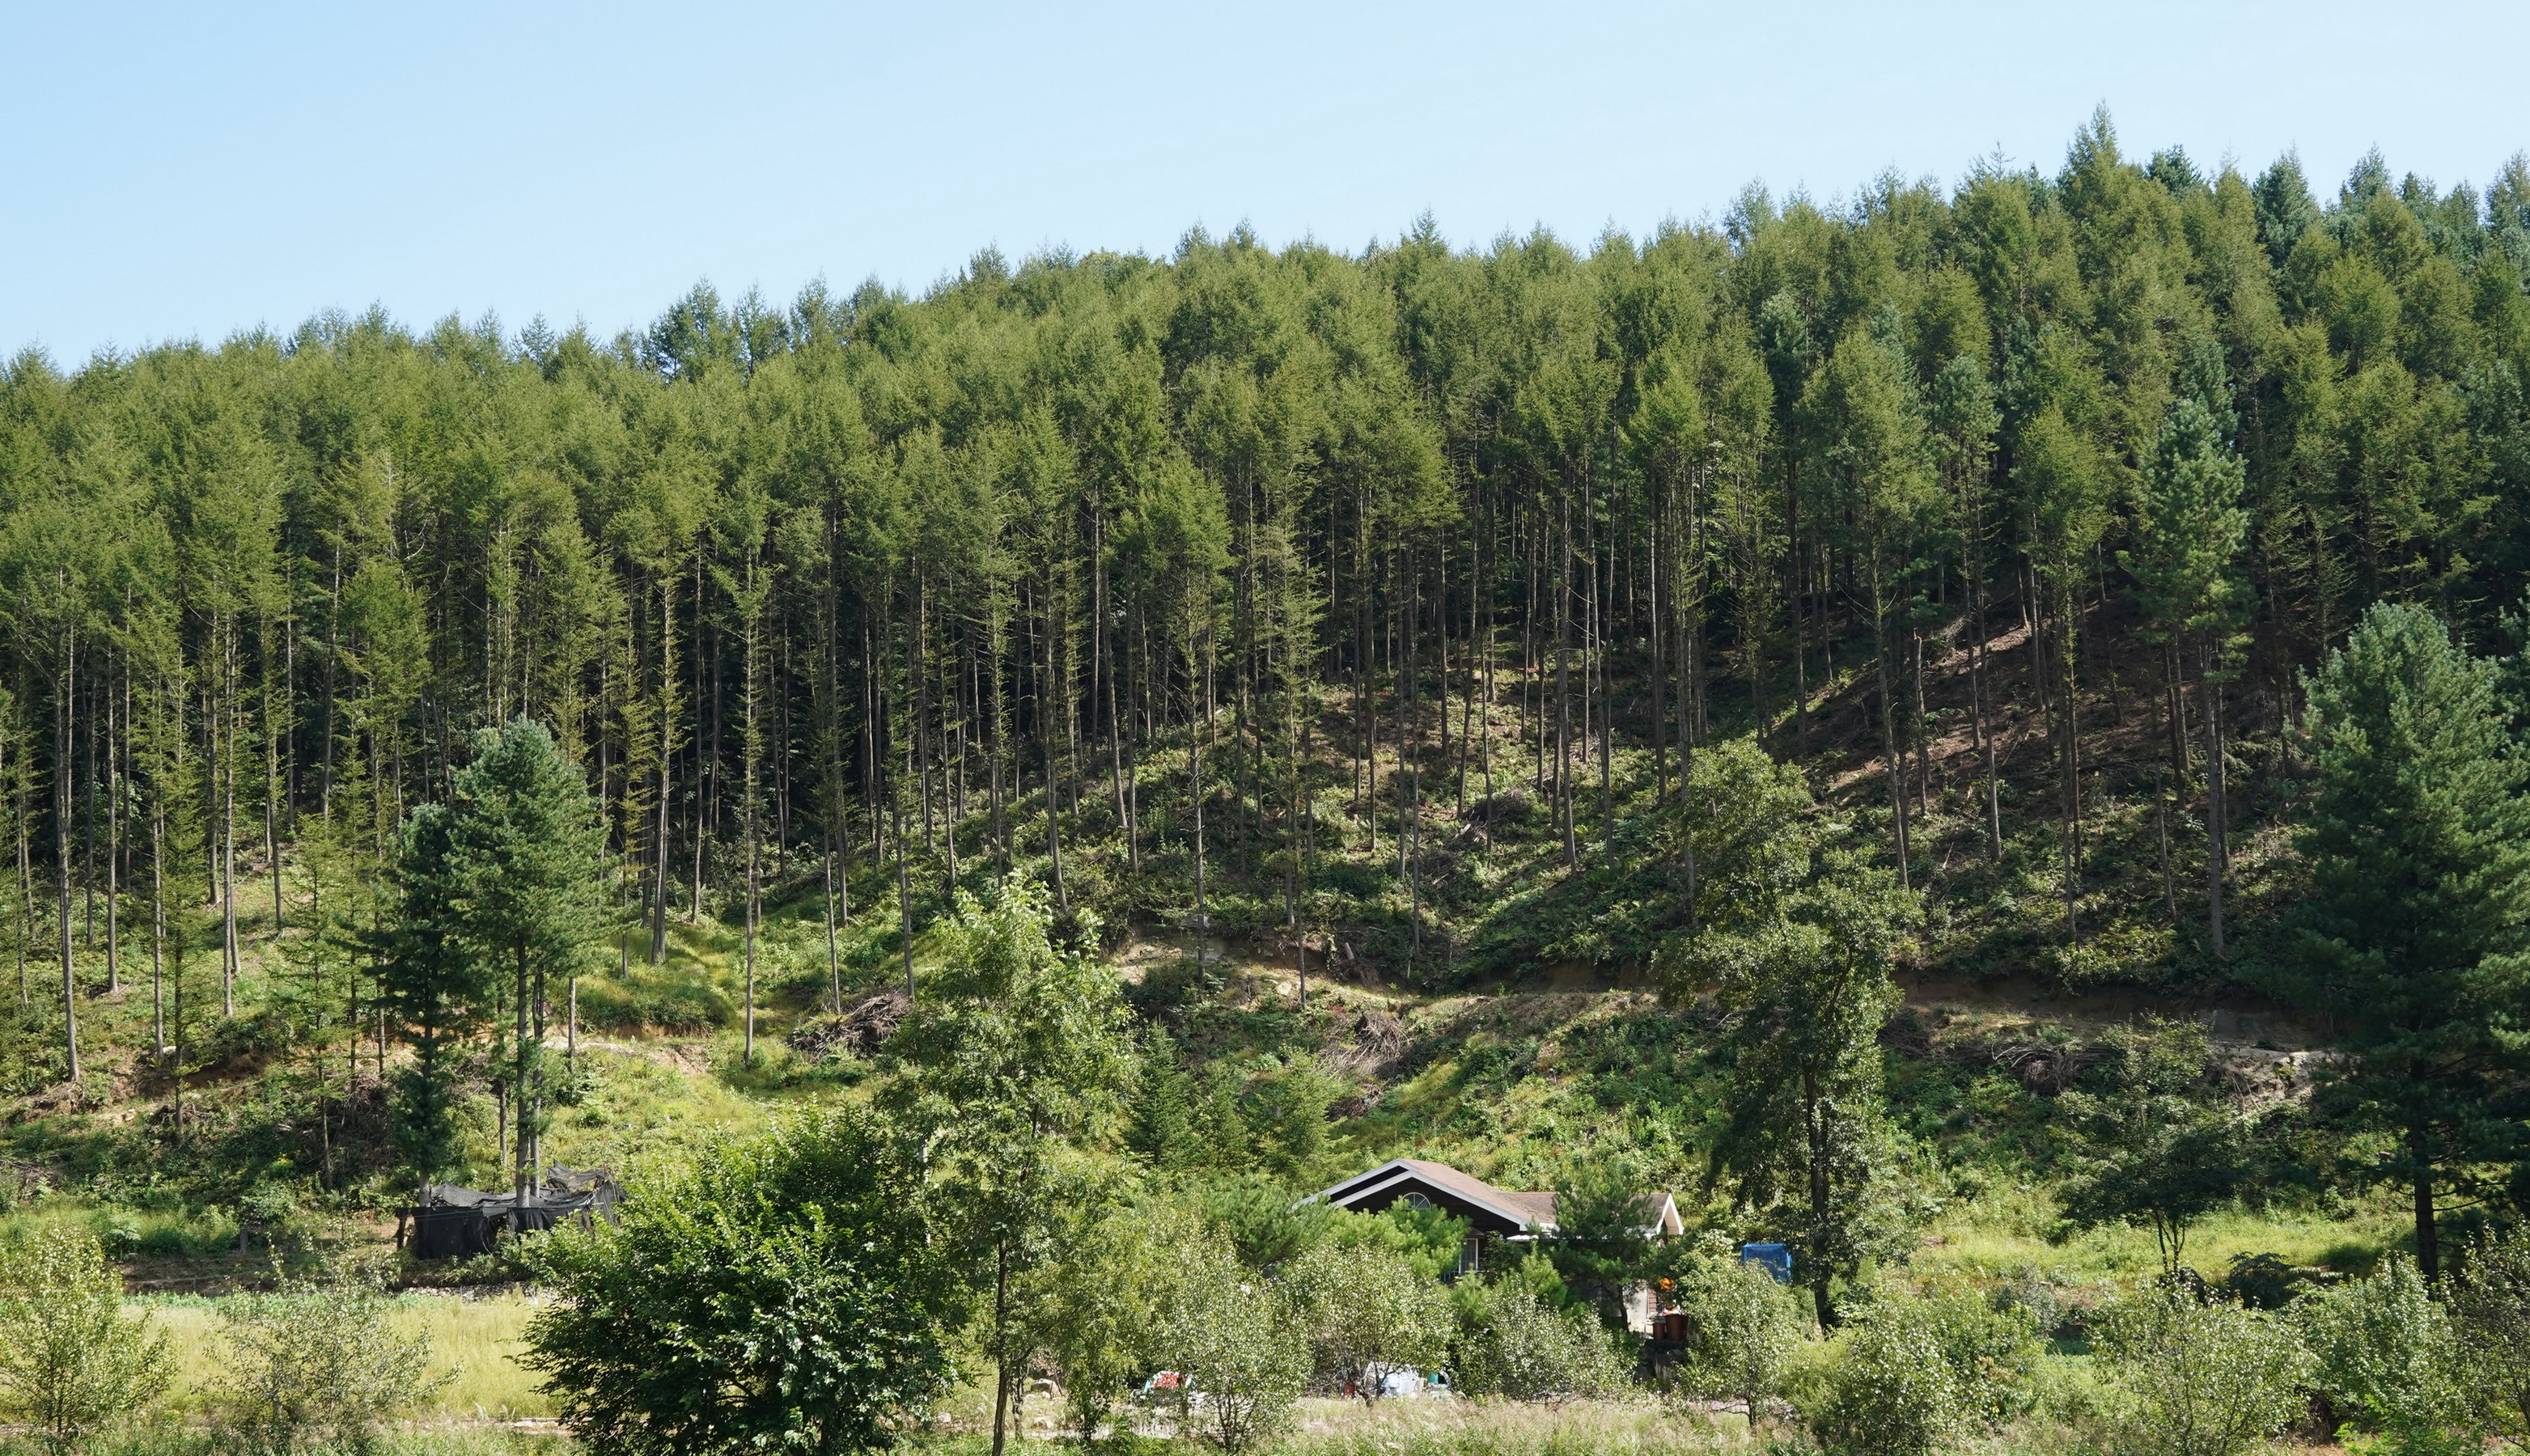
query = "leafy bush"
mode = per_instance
[
  {"x": 70, "y": 1364},
  {"x": 1896, "y": 1392},
  {"x": 778, "y": 1291},
  {"x": 2383, "y": 1348},
  {"x": 1234, "y": 1335},
  {"x": 1363, "y": 1305},
  {"x": 319, "y": 1365},
  {"x": 1743, "y": 1330},
  {"x": 2200, "y": 1378},
  {"x": 1517, "y": 1345},
  {"x": 1990, "y": 1346},
  {"x": 2489, "y": 1307}
]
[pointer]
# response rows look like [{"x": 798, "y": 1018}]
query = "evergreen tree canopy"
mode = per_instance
[{"x": 2416, "y": 932}]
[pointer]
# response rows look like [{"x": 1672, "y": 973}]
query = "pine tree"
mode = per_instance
[
  {"x": 526, "y": 874},
  {"x": 435, "y": 989},
  {"x": 1797, "y": 943},
  {"x": 2416, "y": 932}
]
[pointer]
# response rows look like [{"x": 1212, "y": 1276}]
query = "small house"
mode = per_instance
[{"x": 1514, "y": 1214}]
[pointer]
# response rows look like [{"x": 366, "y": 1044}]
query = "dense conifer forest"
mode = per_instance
[
  {"x": 1256, "y": 586},
  {"x": 1818, "y": 716}
]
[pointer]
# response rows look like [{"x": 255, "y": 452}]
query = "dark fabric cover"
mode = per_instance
[
  {"x": 456, "y": 1222},
  {"x": 536, "y": 1218},
  {"x": 449, "y": 1233}
]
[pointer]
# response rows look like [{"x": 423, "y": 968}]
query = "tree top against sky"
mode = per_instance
[{"x": 183, "y": 173}]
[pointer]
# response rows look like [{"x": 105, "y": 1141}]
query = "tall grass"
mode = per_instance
[
  {"x": 2010, "y": 1229},
  {"x": 474, "y": 1340},
  {"x": 1494, "y": 1427}
]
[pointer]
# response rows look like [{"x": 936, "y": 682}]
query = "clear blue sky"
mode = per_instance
[{"x": 191, "y": 170}]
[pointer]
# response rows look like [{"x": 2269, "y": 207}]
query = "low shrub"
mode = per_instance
[
  {"x": 1514, "y": 1343},
  {"x": 1743, "y": 1330},
  {"x": 319, "y": 1364},
  {"x": 2383, "y": 1349},
  {"x": 1896, "y": 1391},
  {"x": 2490, "y": 1306},
  {"x": 72, "y": 1363},
  {"x": 2199, "y": 1378}
]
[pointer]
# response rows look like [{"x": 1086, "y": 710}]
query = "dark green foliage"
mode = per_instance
[
  {"x": 2159, "y": 1148},
  {"x": 1601, "y": 1240},
  {"x": 2413, "y": 934},
  {"x": 432, "y": 984},
  {"x": 498, "y": 897},
  {"x": 778, "y": 1293},
  {"x": 1160, "y": 1124},
  {"x": 1800, "y": 958}
]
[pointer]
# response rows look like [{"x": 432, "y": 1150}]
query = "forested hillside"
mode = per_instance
[{"x": 1384, "y": 599}]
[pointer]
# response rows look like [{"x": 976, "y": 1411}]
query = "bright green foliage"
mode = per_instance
[
  {"x": 72, "y": 1363},
  {"x": 1234, "y": 1335},
  {"x": 2385, "y": 1348},
  {"x": 1014, "y": 1058},
  {"x": 2189, "y": 528},
  {"x": 2200, "y": 1378},
  {"x": 1096, "y": 1309},
  {"x": 2490, "y": 1311},
  {"x": 1515, "y": 1343},
  {"x": 1364, "y": 1305},
  {"x": 1894, "y": 1393},
  {"x": 1743, "y": 1330},
  {"x": 318, "y": 1366},
  {"x": 2156, "y": 1149},
  {"x": 779, "y": 1293},
  {"x": 1802, "y": 964},
  {"x": 1871, "y": 448},
  {"x": 2416, "y": 931},
  {"x": 1992, "y": 1348}
]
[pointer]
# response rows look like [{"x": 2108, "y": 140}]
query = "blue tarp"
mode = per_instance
[{"x": 1777, "y": 1258}]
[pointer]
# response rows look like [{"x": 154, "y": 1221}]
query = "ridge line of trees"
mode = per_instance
[{"x": 1083, "y": 567}]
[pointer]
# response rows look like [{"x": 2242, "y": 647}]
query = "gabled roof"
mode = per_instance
[
  {"x": 1517, "y": 1210},
  {"x": 1444, "y": 1185}
]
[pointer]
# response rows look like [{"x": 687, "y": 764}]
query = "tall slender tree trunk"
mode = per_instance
[
  {"x": 63, "y": 713},
  {"x": 1045, "y": 741},
  {"x": 752, "y": 747},
  {"x": 2218, "y": 836},
  {"x": 521, "y": 1155},
  {"x": 158, "y": 922},
  {"x": 1893, "y": 752},
  {"x": 228, "y": 717},
  {"x": 1000, "y": 1339},
  {"x": 275, "y": 725},
  {"x": 114, "y": 838},
  {"x": 667, "y": 763},
  {"x": 2428, "y": 1249},
  {"x": 1563, "y": 683}
]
